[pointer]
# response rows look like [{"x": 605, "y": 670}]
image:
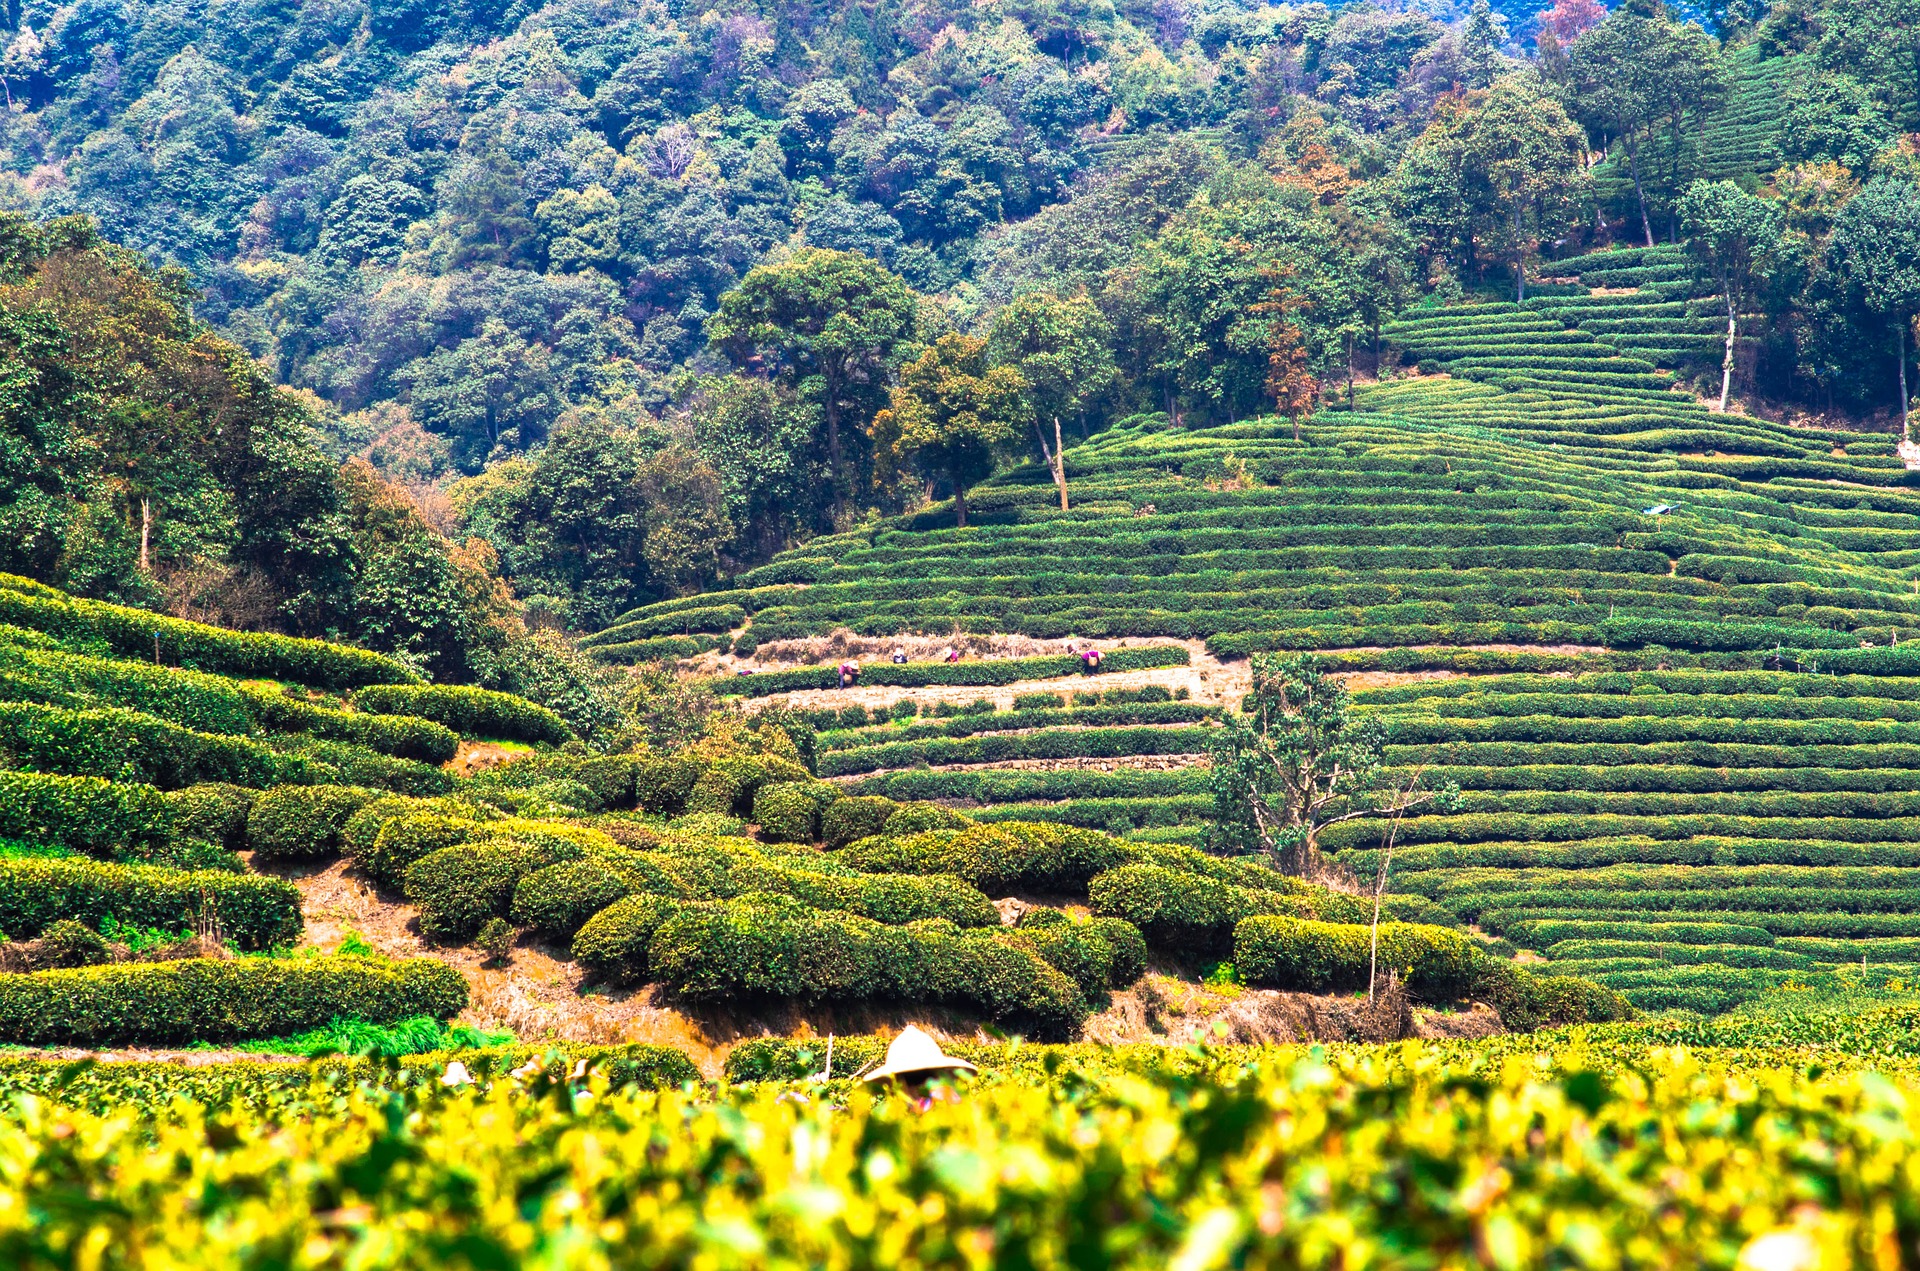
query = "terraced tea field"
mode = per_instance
[{"x": 1674, "y": 705}]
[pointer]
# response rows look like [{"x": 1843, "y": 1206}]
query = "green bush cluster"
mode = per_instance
[
  {"x": 303, "y": 822},
  {"x": 87, "y": 814},
  {"x": 778, "y": 948},
  {"x": 468, "y": 711},
  {"x": 791, "y": 811},
  {"x": 132, "y": 632},
  {"x": 197, "y": 999},
  {"x": 126, "y": 745},
  {"x": 251, "y": 911},
  {"x": 212, "y": 812},
  {"x": 1012, "y": 856},
  {"x": 1196, "y": 915}
]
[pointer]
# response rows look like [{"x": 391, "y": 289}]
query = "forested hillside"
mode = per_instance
[{"x": 549, "y": 268}]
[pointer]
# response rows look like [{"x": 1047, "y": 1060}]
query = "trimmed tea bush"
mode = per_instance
[
  {"x": 87, "y": 814},
  {"x": 303, "y": 822},
  {"x": 790, "y": 811},
  {"x": 461, "y": 886},
  {"x": 212, "y": 811},
  {"x": 854, "y": 817},
  {"x": 781, "y": 949},
  {"x": 613, "y": 944},
  {"x": 253, "y": 912},
  {"x": 214, "y": 1000},
  {"x": 1435, "y": 964},
  {"x": 557, "y": 900},
  {"x": 471, "y": 712}
]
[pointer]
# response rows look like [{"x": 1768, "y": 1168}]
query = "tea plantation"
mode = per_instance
[{"x": 1676, "y": 699}]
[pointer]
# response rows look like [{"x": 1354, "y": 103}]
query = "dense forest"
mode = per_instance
[{"x": 599, "y": 303}]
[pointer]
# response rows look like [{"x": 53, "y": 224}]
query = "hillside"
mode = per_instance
[{"x": 1654, "y": 645}]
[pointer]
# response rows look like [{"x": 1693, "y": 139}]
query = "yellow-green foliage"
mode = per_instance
[{"x": 1391, "y": 1158}]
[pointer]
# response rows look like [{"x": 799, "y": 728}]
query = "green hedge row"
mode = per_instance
[
  {"x": 126, "y": 745},
  {"x": 992, "y": 721},
  {"x": 962, "y": 674},
  {"x": 558, "y": 900},
  {"x": 1736, "y": 955},
  {"x": 1435, "y": 964},
  {"x": 786, "y": 951},
  {"x": 88, "y": 814},
  {"x": 471, "y": 712},
  {"x": 251, "y": 911},
  {"x": 402, "y": 736},
  {"x": 1431, "y": 730},
  {"x": 1508, "y": 827},
  {"x": 1054, "y": 743},
  {"x": 1011, "y": 856},
  {"x": 131, "y": 633},
  {"x": 219, "y": 1000},
  {"x": 295, "y": 1088},
  {"x": 303, "y": 822}
]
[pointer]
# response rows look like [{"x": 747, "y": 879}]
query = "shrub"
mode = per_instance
[
  {"x": 728, "y": 785},
  {"x": 854, "y": 817},
  {"x": 459, "y": 887},
  {"x": 130, "y": 746},
  {"x": 662, "y": 783},
  {"x": 254, "y": 912},
  {"x": 888, "y": 898},
  {"x": 212, "y": 811},
  {"x": 918, "y": 817},
  {"x": 1436, "y": 965},
  {"x": 130, "y": 633},
  {"x": 1098, "y": 954},
  {"x": 219, "y": 1000},
  {"x": 789, "y": 811},
  {"x": 402, "y": 736},
  {"x": 71, "y": 943},
  {"x": 401, "y": 837},
  {"x": 1038, "y": 701},
  {"x": 1186, "y": 913},
  {"x": 613, "y": 944},
  {"x": 471, "y": 712},
  {"x": 87, "y": 814},
  {"x": 1007, "y": 856},
  {"x": 557, "y": 900},
  {"x": 610, "y": 778},
  {"x": 779, "y": 948},
  {"x": 302, "y": 822}
]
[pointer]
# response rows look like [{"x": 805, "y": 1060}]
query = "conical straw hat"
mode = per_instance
[{"x": 914, "y": 1051}]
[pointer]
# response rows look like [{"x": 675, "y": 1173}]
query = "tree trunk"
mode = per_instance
[
  {"x": 1056, "y": 458},
  {"x": 1633, "y": 166},
  {"x": 959, "y": 503},
  {"x": 1900, "y": 345},
  {"x": 1519, "y": 261},
  {"x": 1060, "y": 462},
  {"x": 1350, "y": 370},
  {"x": 1726, "y": 363},
  {"x": 1296, "y": 428},
  {"x": 833, "y": 453}
]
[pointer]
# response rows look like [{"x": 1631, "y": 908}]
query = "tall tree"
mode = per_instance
[
  {"x": 1636, "y": 70},
  {"x": 952, "y": 415},
  {"x": 1523, "y": 162},
  {"x": 1062, "y": 348},
  {"x": 1298, "y": 760},
  {"x": 1732, "y": 235},
  {"x": 1290, "y": 379},
  {"x": 831, "y": 324},
  {"x": 1876, "y": 245}
]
